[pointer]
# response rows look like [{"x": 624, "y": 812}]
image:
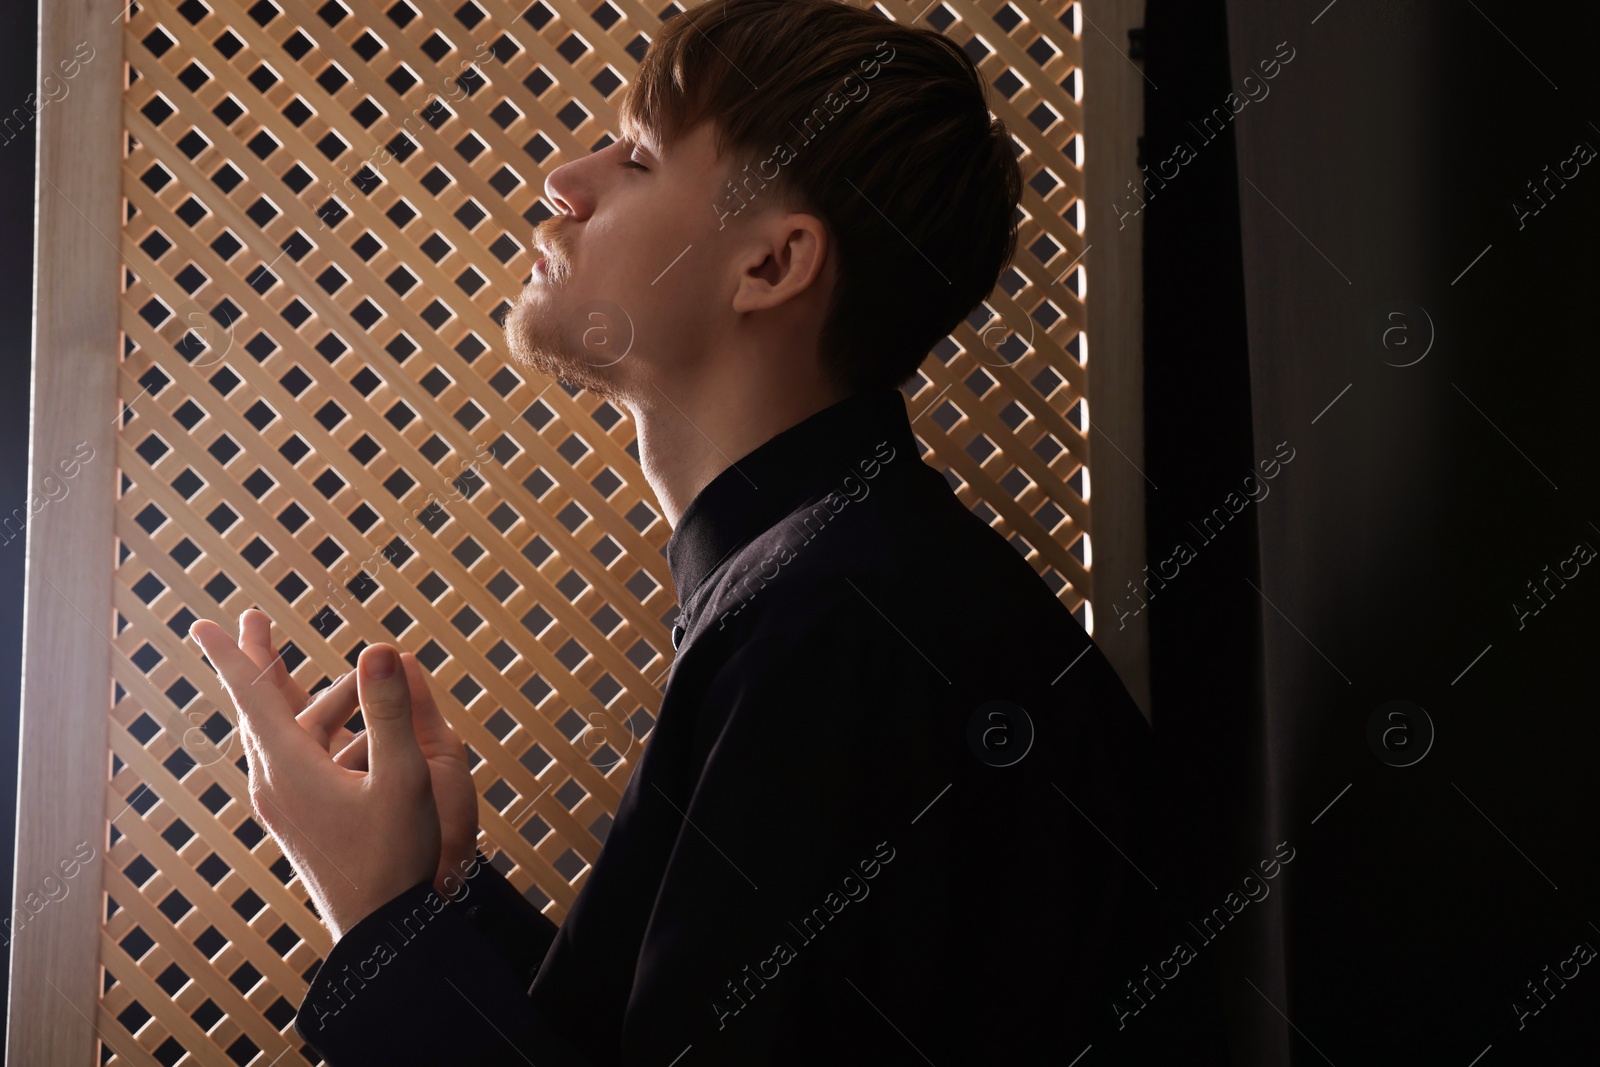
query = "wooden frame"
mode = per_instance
[
  {"x": 86, "y": 193},
  {"x": 66, "y": 658},
  {"x": 1114, "y": 117}
]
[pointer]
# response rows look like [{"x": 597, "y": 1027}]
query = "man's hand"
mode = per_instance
[
  {"x": 357, "y": 838},
  {"x": 454, "y": 793}
]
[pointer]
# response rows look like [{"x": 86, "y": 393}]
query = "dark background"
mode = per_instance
[
  {"x": 1424, "y": 898},
  {"x": 1389, "y": 553}
]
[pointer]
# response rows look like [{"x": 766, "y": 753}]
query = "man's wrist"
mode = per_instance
[{"x": 341, "y": 920}]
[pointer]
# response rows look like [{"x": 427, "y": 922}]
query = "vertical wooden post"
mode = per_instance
[
  {"x": 67, "y": 623},
  {"x": 1113, "y": 108}
]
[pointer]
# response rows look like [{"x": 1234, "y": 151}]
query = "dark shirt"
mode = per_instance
[{"x": 888, "y": 812}]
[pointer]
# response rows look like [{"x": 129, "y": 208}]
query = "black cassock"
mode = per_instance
[{"x": 888, "y": 814}]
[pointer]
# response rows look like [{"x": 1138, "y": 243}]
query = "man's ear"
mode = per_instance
[{"x": 784, "y": 258}]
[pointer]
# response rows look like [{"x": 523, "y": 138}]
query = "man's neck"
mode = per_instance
[{"x": 686, "y": 440}]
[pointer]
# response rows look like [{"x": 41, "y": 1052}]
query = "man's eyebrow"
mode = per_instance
[{"x": 642, "y": 139}]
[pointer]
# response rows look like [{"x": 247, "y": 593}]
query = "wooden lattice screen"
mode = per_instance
[{"x": 323, "y": 211}]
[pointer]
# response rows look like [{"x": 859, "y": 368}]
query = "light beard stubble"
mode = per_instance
[{"x": 535, "y": 341}]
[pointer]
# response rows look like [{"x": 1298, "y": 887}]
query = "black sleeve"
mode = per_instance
[
  {"x": 517, "y": 929},
  {"x": 420, "y": 984}
]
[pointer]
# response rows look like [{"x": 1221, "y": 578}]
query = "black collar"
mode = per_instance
[{"x": 759, "y": 489}]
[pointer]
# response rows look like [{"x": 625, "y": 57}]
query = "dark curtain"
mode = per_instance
[{"x": 1378, "y": 258}]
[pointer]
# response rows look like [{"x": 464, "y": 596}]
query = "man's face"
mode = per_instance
[{"x": 633, "y": 283}]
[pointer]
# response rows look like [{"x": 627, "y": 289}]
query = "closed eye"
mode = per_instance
[{"x": 634, "y": 165}]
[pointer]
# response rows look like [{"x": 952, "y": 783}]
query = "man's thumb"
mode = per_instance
[{"x": 386, "y": 708}]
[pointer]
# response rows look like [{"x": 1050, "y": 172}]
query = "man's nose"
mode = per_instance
[{"x": 569, "y": 190}]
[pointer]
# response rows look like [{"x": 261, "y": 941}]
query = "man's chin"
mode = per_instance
[
  {"x": 534, "y": 343},
  {"x": 553, "y": 362}
]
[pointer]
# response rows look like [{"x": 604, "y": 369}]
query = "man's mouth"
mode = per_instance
[{"x": 545, "y": 258}]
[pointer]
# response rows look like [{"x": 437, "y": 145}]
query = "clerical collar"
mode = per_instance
[{"x": 763, "y": 486}]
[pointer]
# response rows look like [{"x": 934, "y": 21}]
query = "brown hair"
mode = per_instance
[{"x": 881, "y": 130}]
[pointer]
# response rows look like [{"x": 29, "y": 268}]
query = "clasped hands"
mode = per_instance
[{"x": 362, "y": 816}]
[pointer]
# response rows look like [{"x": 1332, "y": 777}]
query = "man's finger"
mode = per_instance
[
  {"x": 433, "y": 732},
  {"x": 353, "y": 756},
  {"x": 329, "y": 710},
  {"x": 264, "y": 715},
  {"x": 392, "y": 749},
  {"x": 255, "y": 637},
  {"x": 341, "y": 739}
]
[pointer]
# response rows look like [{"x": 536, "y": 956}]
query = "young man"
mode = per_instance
[{"x": 888, "y": 811}]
